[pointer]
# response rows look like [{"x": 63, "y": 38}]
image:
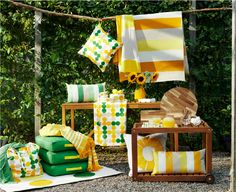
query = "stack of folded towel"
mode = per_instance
[{"x": 59, "y": 156}]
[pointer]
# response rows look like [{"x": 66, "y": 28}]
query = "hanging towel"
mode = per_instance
[
  {"x": 152, "y": 42},
  {"x": 83, "y": 144},
  {"x": 110, "y": 123}
]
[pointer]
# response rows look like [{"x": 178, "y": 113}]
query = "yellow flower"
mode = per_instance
[
  {"x": 114, "y": 91},
  {"x": 154, "y": 76},
  {"x": 141, "y": 79},
  {"x": 132, "y": 77}
]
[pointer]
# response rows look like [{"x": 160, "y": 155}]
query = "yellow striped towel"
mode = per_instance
[
  {"x": 154, "y": 43},
  {"x": 179, "y": 162},
  {"x": 84, "y": 145}
]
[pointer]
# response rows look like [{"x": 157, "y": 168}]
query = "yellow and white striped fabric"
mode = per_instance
[
  {"x": 152, "y": 42},
  {"x": 179, "y": 162},
  {"x": 84, "y": 145}
]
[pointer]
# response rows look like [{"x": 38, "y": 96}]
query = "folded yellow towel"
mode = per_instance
[{"x": 51, "y": 130}]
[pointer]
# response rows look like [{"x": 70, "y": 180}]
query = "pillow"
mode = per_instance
[
  {"x": 60, "y": 157},
  {"x": 84, "y": 93},
  {"x": 54, "y": 144},
  {"x": 24, "y": 162},
  {"x": 64, "y": 169},
  {"x": 100, "y": 47},
  {"x": 179, "y": 162},
  {"x": 145, "y": 147}
]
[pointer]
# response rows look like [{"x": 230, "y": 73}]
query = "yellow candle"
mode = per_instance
[{"x": 168, "y": 122}]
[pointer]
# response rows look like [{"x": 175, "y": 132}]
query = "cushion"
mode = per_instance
[
  {"x": 59, "y": 157},
  {"x": 84, "y": 93},
  {"x": 24, "y": 161},
  {"x": 54, "y": 143},
  {"x": 145, "y": 147},
  {"x": 100, "y": 47},
  {"x": 179, "y": 162},
  {"x": 51, "y": 130},
  {"x": 65, "y": 169}
]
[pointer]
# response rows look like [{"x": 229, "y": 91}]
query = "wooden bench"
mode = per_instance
[{"x": 83, "y": 106}]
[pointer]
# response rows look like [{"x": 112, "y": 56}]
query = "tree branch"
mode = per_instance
[
  {"x": 53, "y": 13},
  {"x": 208, "y": 9},
  {"x": 187, "y": 11},
  {"x": 105, "y": 18}
]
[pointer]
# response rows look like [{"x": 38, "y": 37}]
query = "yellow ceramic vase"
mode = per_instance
[{"x": 139, "y": 93}]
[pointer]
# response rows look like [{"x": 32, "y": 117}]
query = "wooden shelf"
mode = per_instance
[{"x": 203, "y": 128}]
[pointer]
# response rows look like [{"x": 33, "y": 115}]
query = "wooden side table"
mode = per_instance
[
  {"x": 82, "y": 106},
  {"x": 206, "y": 132}
]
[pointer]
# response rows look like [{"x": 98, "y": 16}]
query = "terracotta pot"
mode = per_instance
[{"x": 139, "y": 93}]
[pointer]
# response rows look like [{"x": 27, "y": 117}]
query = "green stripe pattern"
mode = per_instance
[{"x": 84, "y": 93}]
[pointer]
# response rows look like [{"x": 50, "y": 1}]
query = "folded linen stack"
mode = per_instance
[{"x": 59, "y": 156}]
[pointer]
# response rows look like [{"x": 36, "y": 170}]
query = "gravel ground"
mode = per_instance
[{"x": 118, "y": 160}]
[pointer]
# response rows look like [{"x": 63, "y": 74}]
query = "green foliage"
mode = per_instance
[{"x": 62, "y": 37}]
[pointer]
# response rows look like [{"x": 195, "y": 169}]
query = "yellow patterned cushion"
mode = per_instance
[
  {"x": 179, "y": 162},
  {"x": 100, "y": 47},
  {"x": 24, "y": 161},
  {"x": 145, "y": 147}
]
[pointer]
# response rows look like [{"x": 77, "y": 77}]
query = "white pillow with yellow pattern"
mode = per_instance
[
  {"x": 146, "y": 145},
  {"x": 100, "y": 47}
]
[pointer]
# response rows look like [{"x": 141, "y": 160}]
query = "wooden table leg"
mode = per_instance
[
  {"x": 72, "y": 118},
  {"x": 63, "y": 115},
  {"x": 176, "y": 140},
  {"x": 209, "y": 151}
]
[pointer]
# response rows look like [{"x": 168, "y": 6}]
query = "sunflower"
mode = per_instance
[
  {"x": 132, "y": 77},
  {"x": 141, "y": 79},
  {"x": 145, "y": 156},
  {"x": 154, "y": 76}
]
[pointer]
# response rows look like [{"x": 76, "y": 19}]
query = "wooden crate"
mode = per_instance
[{"x": 206, "y": 132}]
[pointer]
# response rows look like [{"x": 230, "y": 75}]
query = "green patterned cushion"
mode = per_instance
[
  {"x": 59, "y": 157},
  {"x": 54, "y": 143},
  {"x": 64, "y": 169},
  {"x": 100, "y": 47},
  {"x": 84, "y": 93}
]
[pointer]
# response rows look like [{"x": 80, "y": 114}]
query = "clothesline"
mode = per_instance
[{"x": 29, "y": 7}]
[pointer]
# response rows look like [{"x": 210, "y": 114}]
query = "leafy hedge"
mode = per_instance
[{"x": 62, "y": 37}]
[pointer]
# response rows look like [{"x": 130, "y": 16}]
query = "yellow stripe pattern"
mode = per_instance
[
  {"x": 84, "y": 145},
  {"x": 159, "y": 23},
  {"x": 68, "y": 145},
  {"x": 74, "y": 169},
  {"x": 140, "y": 54},
  {"x": 179, "y": 162},
  {"x": 158, "y": 45},
  {"x": 71, "y": 157}
]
